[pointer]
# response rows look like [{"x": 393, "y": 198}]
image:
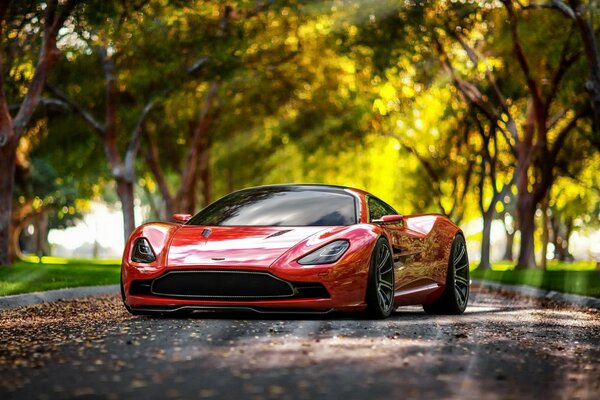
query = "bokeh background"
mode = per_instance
[{"x": 118, "y": 113}]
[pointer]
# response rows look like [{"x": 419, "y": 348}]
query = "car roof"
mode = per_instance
[{"x": 320, "y": 186}]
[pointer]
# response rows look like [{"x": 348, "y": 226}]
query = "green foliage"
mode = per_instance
[
  {"x": 345, "y": 92},
  {"x": 41, "y": 187}
]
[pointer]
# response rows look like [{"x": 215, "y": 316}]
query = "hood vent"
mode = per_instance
[{"x": 278, "y": 233}]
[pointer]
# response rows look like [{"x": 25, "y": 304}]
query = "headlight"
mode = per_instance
[
  {"x": 142, "y": 252},
  {"x": 327, "y": 254}
]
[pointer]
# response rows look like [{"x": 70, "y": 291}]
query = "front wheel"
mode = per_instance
[
  {"x": 455, "y": 297},
  {"x": 380, "y": 287}
]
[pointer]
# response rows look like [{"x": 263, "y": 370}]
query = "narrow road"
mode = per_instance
[{"x": 502, "y": 348}]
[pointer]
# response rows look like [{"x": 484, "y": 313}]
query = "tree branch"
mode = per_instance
[
  {"x": 564, "y": 64},
  {"x": 191, "y": 160},
  {"x": 154, "y": 163},
  {"x": 565, "y": 9},
  {"x": 3, "y": 8},
  {"x": 564, "y": 133},
  {"x": 592, "y": 53},
  {"x": 556, "y": 118},
  {"x": 134, "y": 142},
  {"x": 86, "y": 115},
  {"x": 110, "y": 114},
  {"x": 510, "y": 125},
  {"x": 521, "y": 58},
  {"x": 47, "y": 58},
  {"x": 6, "y": 132},
  {"x": 469, "y": 91},
  {"x": 197, "y": 65},
  {"x": 46, "y": 102}
]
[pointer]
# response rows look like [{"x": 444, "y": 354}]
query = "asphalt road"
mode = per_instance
[{"x": 502, "y": 348}]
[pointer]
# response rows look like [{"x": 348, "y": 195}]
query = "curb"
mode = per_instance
[
  {"x": 20, "y": 300},
  {"x": 574, "y": 299}
]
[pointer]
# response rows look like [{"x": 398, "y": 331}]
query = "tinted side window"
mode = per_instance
[{"x": 378, "y": 208}]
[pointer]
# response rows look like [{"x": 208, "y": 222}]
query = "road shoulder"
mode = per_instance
[
  {"x": 21, "y": 300},
  {"x": 529, "y": 291}
]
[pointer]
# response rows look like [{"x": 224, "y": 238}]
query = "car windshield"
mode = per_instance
[{"x": 280, "y": 206}]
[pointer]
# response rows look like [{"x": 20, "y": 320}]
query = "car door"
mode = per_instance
[{"x": 407, "y": 245}]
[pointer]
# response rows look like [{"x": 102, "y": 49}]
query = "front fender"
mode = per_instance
[
  {"x": 159, "y": 235},
  {"x": 346, "y": 279}
]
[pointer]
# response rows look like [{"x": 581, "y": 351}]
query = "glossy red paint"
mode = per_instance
[
  {"x": 420, "y": 245},
  {"x": 238, "y": 247},
  {"x": 182, "y": 217},
  {"x": 389, "y": 219}
]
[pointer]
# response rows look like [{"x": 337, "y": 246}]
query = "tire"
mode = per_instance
[
  {"x": 380, "y": 285},
  {"x": 455, "y": 297}
]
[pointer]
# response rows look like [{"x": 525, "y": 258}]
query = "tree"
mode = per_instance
[
  {"x": 535, "y": 155},
  {"x": 576, "y": 11},
  {"x": 13, "y": 128},
  {"x": 143, "y": 86}
]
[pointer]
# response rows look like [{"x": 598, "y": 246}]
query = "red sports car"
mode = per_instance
[{"x": 296, "y": 248}]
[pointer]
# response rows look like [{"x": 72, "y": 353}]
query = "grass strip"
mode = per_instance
[
  {"x": 560, "y": 277},
  {"x": 26, "y": 277}
]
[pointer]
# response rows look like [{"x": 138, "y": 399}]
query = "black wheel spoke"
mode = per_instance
[
  {"x": 462, "y": 266},
  {"x": 462, "y": 281},
  {"x": 383, "y": 278},
  {"x": 460, "y": 296},
  {"x": 386, "y": 285},
  {"x": 459, "y": 256},
  {"x": 460, "y": 263},
  {"x": 383, "y": 262},
  {"x": 382, "y": 299},
  {"x": 386, "y": 271},
  {"x": 455, "y": 297}
]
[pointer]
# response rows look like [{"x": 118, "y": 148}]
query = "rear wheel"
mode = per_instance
[
  {"x": 455, "y": 297},
  {"x": 380, "y": 287}
]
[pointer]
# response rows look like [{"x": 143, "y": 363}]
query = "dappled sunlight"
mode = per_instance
[{"x": 294, "y": 351}]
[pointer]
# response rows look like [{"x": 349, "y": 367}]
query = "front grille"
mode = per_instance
[{"x": 226, "y": 285}]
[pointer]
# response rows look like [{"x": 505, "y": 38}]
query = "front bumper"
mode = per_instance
[{"x": 318, "y": 289}]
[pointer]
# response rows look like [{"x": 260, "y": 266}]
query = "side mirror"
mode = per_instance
[
  {"x": 389, "y": 219},
  {"x": 182, "y": 217}
]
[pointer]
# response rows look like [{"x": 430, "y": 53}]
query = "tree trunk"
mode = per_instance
[
  {"x": 526, "y": 220},
  {"x": 204, "y": 171},
  {"x": 545, "y": 234},
  {"x": 8, "y": 158},
  {"x": 154, "y": 163},
  {"x": 484, "y": 263},
  {"x": 186, "y": 195},
  {"x": 569, "y": 229},
  {"x": 41, "y": 234},
  {"x": 510, "y": 240},
  {"x": 525, "y": 199},
  {"x": 556, "y": 237},
  {"x": 14, "y": 250},
  {"x": 125, "y": 192}
]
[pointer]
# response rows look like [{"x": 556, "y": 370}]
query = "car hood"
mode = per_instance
[{"x": 229, "y": 246}]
